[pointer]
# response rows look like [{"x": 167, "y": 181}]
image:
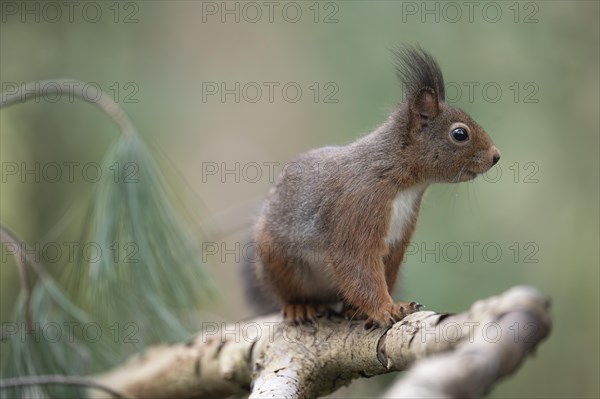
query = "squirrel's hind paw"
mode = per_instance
[
  {"x": 297, "y": 313},
  {"x": 349, "y": 312}
]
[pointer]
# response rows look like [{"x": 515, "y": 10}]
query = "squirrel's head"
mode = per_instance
[{"x": 447, "y": 144}]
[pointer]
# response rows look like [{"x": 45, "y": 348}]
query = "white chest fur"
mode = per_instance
[{"x": 403, "y": 210}]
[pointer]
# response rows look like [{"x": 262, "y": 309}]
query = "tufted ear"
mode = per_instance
[
  {"x": 423, "y": 82},
  {"x": 424, "y": 106}
]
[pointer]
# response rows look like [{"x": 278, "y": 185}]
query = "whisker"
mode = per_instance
[{"x": 459, "y": 174}]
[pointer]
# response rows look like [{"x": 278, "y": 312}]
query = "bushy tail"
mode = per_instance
[{"x": 260, "y": 302}]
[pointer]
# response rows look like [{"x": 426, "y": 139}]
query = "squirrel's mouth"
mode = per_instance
[
  {"x": 468, "y": 175},
  {"x": 472, "y": 174}
]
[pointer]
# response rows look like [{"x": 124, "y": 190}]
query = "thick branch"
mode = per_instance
[
  {"x": 273, "y": 359},
  {"x": 470, "y": 371},
  {"x": 492, "y": 352}
]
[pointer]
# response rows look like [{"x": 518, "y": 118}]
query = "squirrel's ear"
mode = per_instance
[{"x": 424, "y": 106}]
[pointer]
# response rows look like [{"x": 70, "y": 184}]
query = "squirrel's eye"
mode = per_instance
[{"x": 460, "y": 134}]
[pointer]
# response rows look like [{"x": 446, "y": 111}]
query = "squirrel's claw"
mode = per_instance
[
  {"x": 300, "y": 313},
  {"x": 395, "y": 313}
]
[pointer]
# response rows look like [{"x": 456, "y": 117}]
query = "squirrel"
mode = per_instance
[{"x": 334, "y": 228}]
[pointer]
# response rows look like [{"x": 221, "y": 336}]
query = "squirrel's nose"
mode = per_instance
[{"x": 495, "y": 156}]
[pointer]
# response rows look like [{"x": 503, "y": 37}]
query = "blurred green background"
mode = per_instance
[{"x": 534, "y": 72}]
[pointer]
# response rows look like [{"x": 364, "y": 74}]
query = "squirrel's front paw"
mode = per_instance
[
  {"x": 408, "y": 307},
  {"x": 392, "y": 313}
]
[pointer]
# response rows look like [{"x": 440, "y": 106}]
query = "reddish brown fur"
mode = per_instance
[
  {"x": 345, "y": 214},
  {"x": 280, "y": 278}
]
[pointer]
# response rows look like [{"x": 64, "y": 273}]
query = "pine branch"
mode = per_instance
[
  {"x": 58, "y": 380},
  {"x": 8, "y": 238},
  {"x": 37, "y": 89},
  {"x": 496, "y": 334}
]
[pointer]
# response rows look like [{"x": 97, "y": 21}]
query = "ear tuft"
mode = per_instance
[
  {"x": 417, "y": 69},
  {"x": 423, "y": 82},
  {"x": 424, "y": 107}
]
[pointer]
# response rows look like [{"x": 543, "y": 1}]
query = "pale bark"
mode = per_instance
[{"x": 479, "y": 347}]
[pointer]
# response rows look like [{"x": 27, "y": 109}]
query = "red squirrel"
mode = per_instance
[{"x": 335, "y": 228}]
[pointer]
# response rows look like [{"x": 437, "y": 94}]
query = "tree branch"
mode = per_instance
[
  {"x": 72, "y": 87},
  {"x": 493, "y": 351},
  {"x": 58, "y": 380},
  {"x": 273, "y": 359}
]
